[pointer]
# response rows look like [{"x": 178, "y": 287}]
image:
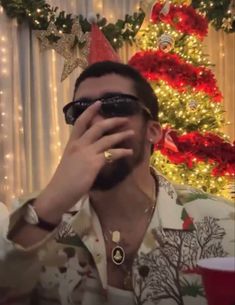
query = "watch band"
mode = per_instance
[
  {"x": 32, "y": 218},
  {"x": 45, "y": 225}
]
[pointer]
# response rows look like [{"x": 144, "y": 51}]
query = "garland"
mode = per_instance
[
  {"x": 183, "y": 18},
  {"x": 221, "y": 13},
  {"x": 39, "y": 14},
  {"x": 157, "y": 65},
  {"x": 194, "y": 147}
]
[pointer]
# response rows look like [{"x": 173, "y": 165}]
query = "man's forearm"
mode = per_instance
[{"x": 26, "y": 234}]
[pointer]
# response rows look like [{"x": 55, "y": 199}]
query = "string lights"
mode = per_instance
[
  {"x": 196, "y": 176},
  {"x": 11, "y": 122},
  {"x": 199, "y": 154},
  {"x": 189, "y": 110},
  {"x": 4, "y": 178}
]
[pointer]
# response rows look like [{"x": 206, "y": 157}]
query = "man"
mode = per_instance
[{"x": 108, "y": 229}]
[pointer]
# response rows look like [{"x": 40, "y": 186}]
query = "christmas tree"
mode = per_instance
[{"x": 193, "y": 149}]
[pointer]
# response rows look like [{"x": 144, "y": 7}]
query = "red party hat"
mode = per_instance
[{"x": 100, "y": 48}]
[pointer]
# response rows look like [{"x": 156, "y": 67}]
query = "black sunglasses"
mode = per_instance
[{"x": 119, "y": 105}]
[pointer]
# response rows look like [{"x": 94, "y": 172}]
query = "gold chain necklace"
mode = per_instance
[{"x": 118, "y": 254}]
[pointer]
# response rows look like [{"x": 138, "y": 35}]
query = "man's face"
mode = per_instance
[{"x": 113, "y": 173}]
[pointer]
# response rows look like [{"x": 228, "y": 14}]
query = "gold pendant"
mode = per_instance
[
  {"x": 118, "y": 255},
  {"x": 116, "y": 236}
]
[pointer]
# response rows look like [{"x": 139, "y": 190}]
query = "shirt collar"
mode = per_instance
[
  {"x": 169, "y": 209},
  {"x": 168, "y": 214}
]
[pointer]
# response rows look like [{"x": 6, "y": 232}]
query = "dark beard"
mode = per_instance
[
  {"x": 108, "y": 178},
  {"x": 114, "y": 173}
]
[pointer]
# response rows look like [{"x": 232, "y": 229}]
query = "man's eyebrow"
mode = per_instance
[{"x": 111, "y": 94}]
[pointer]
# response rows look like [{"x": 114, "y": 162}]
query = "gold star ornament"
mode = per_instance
[
  {"x": 74, "y": 47},
  {"x": 48, "y": 37},
  {"x": 227, "y": 23}
]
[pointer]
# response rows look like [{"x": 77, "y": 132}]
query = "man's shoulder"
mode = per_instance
[
  {"x": 186, "y": 193},
  {"x": 200, "y": 203}
]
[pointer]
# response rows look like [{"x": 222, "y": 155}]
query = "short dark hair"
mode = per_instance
[{"x": 143, "y": 89}]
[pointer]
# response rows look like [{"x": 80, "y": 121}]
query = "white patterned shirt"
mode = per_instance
[{"x": 70, "y": 266}]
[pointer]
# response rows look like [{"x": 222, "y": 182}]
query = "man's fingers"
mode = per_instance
[
  {"x": 116, "y": 153},
  {"x": 84, "y": 120},
  {"x": 100, "y": 128},
  {"x": 110, "y": 140}
]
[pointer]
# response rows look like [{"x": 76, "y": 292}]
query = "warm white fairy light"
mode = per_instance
[
  {"x": 55, "y": 147},
  {"x": 8, "y": 156},
  {"x": 111, "y": 16},
  {"x": 99, "y": 5}
]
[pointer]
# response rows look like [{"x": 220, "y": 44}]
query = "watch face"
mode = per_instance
[{"x": 31, "y": 215}]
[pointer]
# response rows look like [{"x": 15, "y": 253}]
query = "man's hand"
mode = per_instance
[{"x": 81, "y": 162}]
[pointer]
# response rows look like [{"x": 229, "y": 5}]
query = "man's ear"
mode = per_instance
[{"x": 154, "y": 132}]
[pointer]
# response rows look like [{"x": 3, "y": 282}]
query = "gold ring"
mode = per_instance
[{"x": 108, "y": 156}]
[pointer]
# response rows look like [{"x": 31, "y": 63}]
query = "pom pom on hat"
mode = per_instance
[{"x": 92, "y": 18}]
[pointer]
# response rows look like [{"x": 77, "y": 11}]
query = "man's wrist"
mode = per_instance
[
  {"x": 49, "y": 206},
  {"x": 32, "y": 217}
]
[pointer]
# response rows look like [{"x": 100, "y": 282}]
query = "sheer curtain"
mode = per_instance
[
  {"x": 221, "y": 50},
  {"x": 32, "y": 129}
]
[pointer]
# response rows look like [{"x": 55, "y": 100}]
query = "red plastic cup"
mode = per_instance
[{"x": 218, "y": 276}]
